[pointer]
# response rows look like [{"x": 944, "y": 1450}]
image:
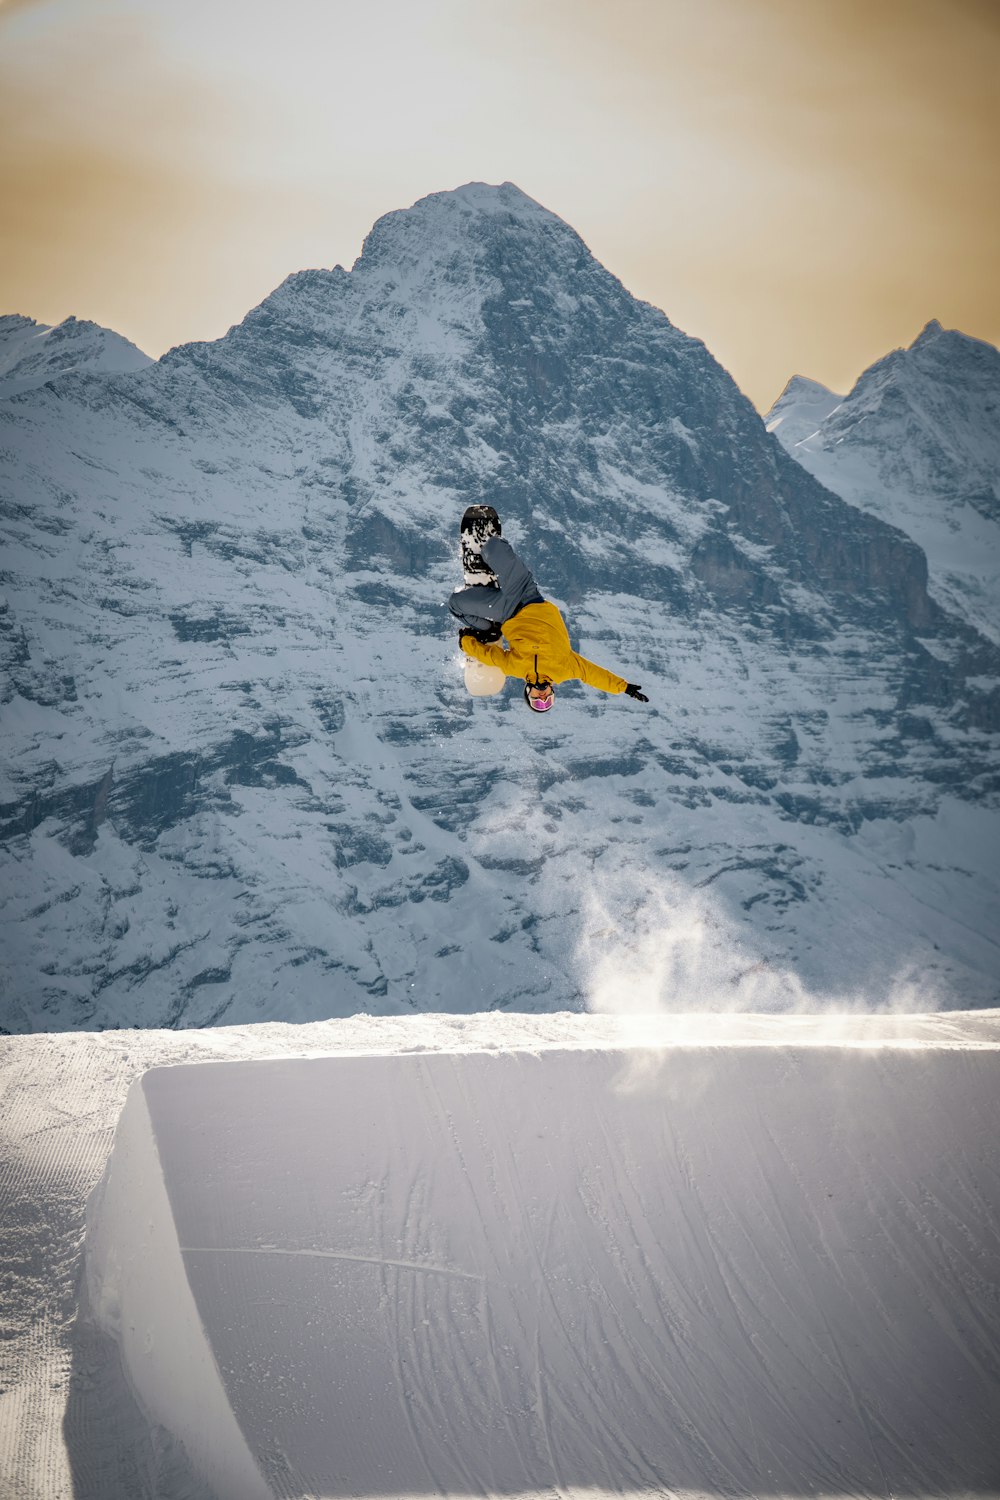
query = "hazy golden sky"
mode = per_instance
[{"x": 800, "y": 183}]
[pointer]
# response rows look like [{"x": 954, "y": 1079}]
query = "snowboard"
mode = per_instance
[{"x": 478, "y": 523}]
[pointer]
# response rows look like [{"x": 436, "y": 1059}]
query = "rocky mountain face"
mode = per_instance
[
  {"x": 33, "y": 353},
  {"x": 917, "y": 443},
  {"x": 243, "y": 779}
]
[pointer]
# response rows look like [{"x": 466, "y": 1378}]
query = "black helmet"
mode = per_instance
[{"x": 538, "y": 708}]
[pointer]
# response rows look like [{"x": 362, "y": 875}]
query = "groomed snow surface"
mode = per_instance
[
  {"x": 502, "y": 1254},
  {"x": 746, "y": 1263}
]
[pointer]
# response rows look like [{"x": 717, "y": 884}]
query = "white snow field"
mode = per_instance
[{"x": 504, "y": 1255}]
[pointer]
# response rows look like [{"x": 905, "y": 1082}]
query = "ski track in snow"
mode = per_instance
[{"x": 762, "y": 1261}]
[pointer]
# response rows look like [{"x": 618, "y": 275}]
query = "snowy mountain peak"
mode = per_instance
[
  {"x": 800, "y": 409},
  {"x": 941, "y": 356},
  {"x": 438, "y": 226},
  {"x": 928, "y": 334},
  {"x": 490, "y": 198},
  {"x": 474, "y": 200},
  {"x": 801, "y": 386},
  {"x": 956, "y": 356},
  {"x": 917, "y": 442},
  {"x": 31, "y": 353}
]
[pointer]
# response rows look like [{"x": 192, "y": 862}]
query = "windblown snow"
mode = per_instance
[{"x": 494, "y": 1255}]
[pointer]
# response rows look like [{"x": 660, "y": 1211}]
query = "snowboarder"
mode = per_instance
[{"x": 502, "y": 598}]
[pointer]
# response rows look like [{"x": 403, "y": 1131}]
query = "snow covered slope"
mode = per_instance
[
  {"x": 69, "y": 1427},
  {"x": 32, "y": 353},
  {"x": 916, "y": 442},
  {"x": 241, "y": 777},
  {"x": 800, "y": 410},
  {"x": 583, "y": 1272}
]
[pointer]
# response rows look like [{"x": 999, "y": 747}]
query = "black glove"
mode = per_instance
[
  {"x": 632, "y": 688},
  {"x": 485, "y": 637}
]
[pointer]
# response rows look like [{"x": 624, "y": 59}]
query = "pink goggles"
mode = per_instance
[{"x": 541, "y": 705}]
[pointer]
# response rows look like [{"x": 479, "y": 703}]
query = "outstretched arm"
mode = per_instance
[
  {"x": 493, "y": 654},
  {"x": 598, "y": 677},
  {"x": 609, "y": 682}
]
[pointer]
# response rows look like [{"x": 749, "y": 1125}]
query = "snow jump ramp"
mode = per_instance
[{"x": 747, "y": 1270}]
